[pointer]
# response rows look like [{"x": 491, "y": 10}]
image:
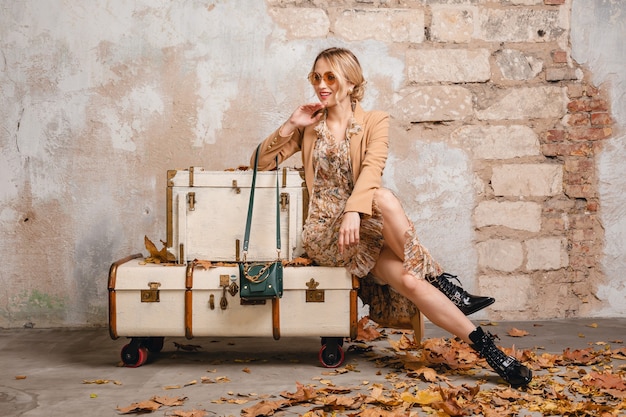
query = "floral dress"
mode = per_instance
[{"x": 332, "y": 186}]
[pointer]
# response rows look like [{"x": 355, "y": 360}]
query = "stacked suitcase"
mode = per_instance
[{"x": 198, "y": 294}]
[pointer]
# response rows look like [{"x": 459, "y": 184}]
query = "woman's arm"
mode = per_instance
[
  {"x": 286, "y": 140},
  {"x": 373, "y": 156}
]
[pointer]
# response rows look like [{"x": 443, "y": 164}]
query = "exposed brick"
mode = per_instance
[
  {"x": 590, "y": 90},
  {"x": 555, "y": 136},
  {"x": 593, "y": 206},
  {"x": 579, "y": 164},
  {"x": 601, "y": 119},
  {"x": 575, "y": 91},
  {"x": 560, "y": 74},
  {"x": 579, "y": 191},
  {"x": 569, "y": 149},
  {"x": 578, "y": 105},
  {"x": 577, "y": 119},
  {"x": 559, "y": 56},
  {"x": 589, "y": 133},
  {"x": 553, "y": 225},
  {"x": 598, "y": 105},
  {"x": 583, "y": 221}
]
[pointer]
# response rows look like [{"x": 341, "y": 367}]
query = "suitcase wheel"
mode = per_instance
[
  {"x": 155, "y": 344},
  {"x": 134, "y": 356},
  {"x": 331, "y": 354}
]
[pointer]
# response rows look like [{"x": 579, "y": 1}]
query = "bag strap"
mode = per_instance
[{"x": 246, "y": 238}]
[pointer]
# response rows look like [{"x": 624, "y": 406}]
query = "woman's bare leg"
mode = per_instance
[
  {"x": 428, "y": 299},
  {"x": 442, "y": 312},
  {"x": 395, "y": 222},
  {"x": 420, "y": 263}
]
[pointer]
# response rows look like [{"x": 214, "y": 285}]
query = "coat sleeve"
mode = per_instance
[
  {"x": 277, "y": 145},
  {"x": 373, "y": 157}
]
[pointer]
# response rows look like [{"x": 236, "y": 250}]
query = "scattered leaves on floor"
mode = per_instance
[
  {"x": 420, "y": 379},
  {"x": 151, "y": 405}
]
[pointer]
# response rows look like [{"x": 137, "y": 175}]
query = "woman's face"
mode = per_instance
[{"x": 326, "y": 84}]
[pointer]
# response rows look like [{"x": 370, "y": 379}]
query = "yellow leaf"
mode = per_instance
[{"x": 423, "y": 397}]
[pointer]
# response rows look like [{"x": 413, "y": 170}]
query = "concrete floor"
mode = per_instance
[{"x": 43, "y": 371}]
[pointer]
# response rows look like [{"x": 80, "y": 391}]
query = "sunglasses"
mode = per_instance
[{"x": 328, "y": 77}]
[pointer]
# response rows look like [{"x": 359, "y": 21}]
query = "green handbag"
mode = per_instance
[{"x": 261, "y": 280}]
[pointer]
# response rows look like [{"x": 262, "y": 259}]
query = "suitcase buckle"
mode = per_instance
[
  {"x": 151, "y": 295},
  {"x": 313, "y": 295}
]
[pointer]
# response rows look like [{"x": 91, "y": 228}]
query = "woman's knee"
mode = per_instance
[{"x": 386, "y": 199}]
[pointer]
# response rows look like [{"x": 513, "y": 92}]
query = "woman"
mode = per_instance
[{"x": 353, "y": 221}]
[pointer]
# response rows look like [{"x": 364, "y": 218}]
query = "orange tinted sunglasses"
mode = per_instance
[{"x": 328, "y": 77}]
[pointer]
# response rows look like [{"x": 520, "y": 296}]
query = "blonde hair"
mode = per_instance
[{"x": 346, "y": 67}]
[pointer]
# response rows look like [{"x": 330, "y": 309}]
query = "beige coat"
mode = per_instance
[{"x": 368, "y": 151}]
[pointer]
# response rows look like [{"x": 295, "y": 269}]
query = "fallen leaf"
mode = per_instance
[
  {"x": 188, "y": 348},
  {"x": 366, "y": 330},
  {"x": 157, "y": 256},
  {"x": 140, "y": 407},
  {"x": 422, "y": 397},
  {"x": 513, "y": 332},
  {"x": 299, "y": 261},
  {"x": 264, "y": 408},
  {"x": 192, "y": 413}
]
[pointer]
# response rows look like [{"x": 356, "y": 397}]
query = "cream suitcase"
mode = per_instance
[
  {"x": 148, "y": 302},
  {"x": 207, "y": 210}
]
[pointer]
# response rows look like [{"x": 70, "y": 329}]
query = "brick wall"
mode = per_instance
[{"x": 496, "y": 79}]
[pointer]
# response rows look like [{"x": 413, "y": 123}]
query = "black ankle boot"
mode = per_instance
[
  {"x": 506, "y": 366},
  {"x": 465, "y": 301}
]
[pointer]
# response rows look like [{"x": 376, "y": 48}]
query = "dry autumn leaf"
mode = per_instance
[
  {"x": 140, "y": 407},
  {"x": 192, "y": 413},
  {"x": 366, "y": 330},
  {"x": 188, "y": 348},
  {"x": 513, "y": 332},
  {"x": 299, "y": 261},
  {"x": 264, "y": 408},
  {"x": 157, "y": 256}
]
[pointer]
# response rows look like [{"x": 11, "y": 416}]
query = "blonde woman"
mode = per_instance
[{"x": 353, "y": 221}]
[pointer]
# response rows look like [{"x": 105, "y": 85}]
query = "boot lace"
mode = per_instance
[{"x": 448, "y": 287}]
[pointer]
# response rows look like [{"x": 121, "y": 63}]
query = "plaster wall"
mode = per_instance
[
  {"x": 98, "y": 102},
  {"x": 598, "y": 30}
]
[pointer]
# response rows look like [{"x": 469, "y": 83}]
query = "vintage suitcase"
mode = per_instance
[
  {"x": 148, "y": 302},
  {"x": 206, "y": 214}
]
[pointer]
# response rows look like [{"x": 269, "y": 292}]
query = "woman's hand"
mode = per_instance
[
  {"x": 349, "y": 231},
  {"x": 303, "y": 116}
]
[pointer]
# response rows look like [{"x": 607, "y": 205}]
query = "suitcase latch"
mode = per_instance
[
  {"x": 313, "y": 295},
  {"x": 284, "y": 201},
  {"x": 151, "y": 295},
  {"x": 191, "y": 201}
]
